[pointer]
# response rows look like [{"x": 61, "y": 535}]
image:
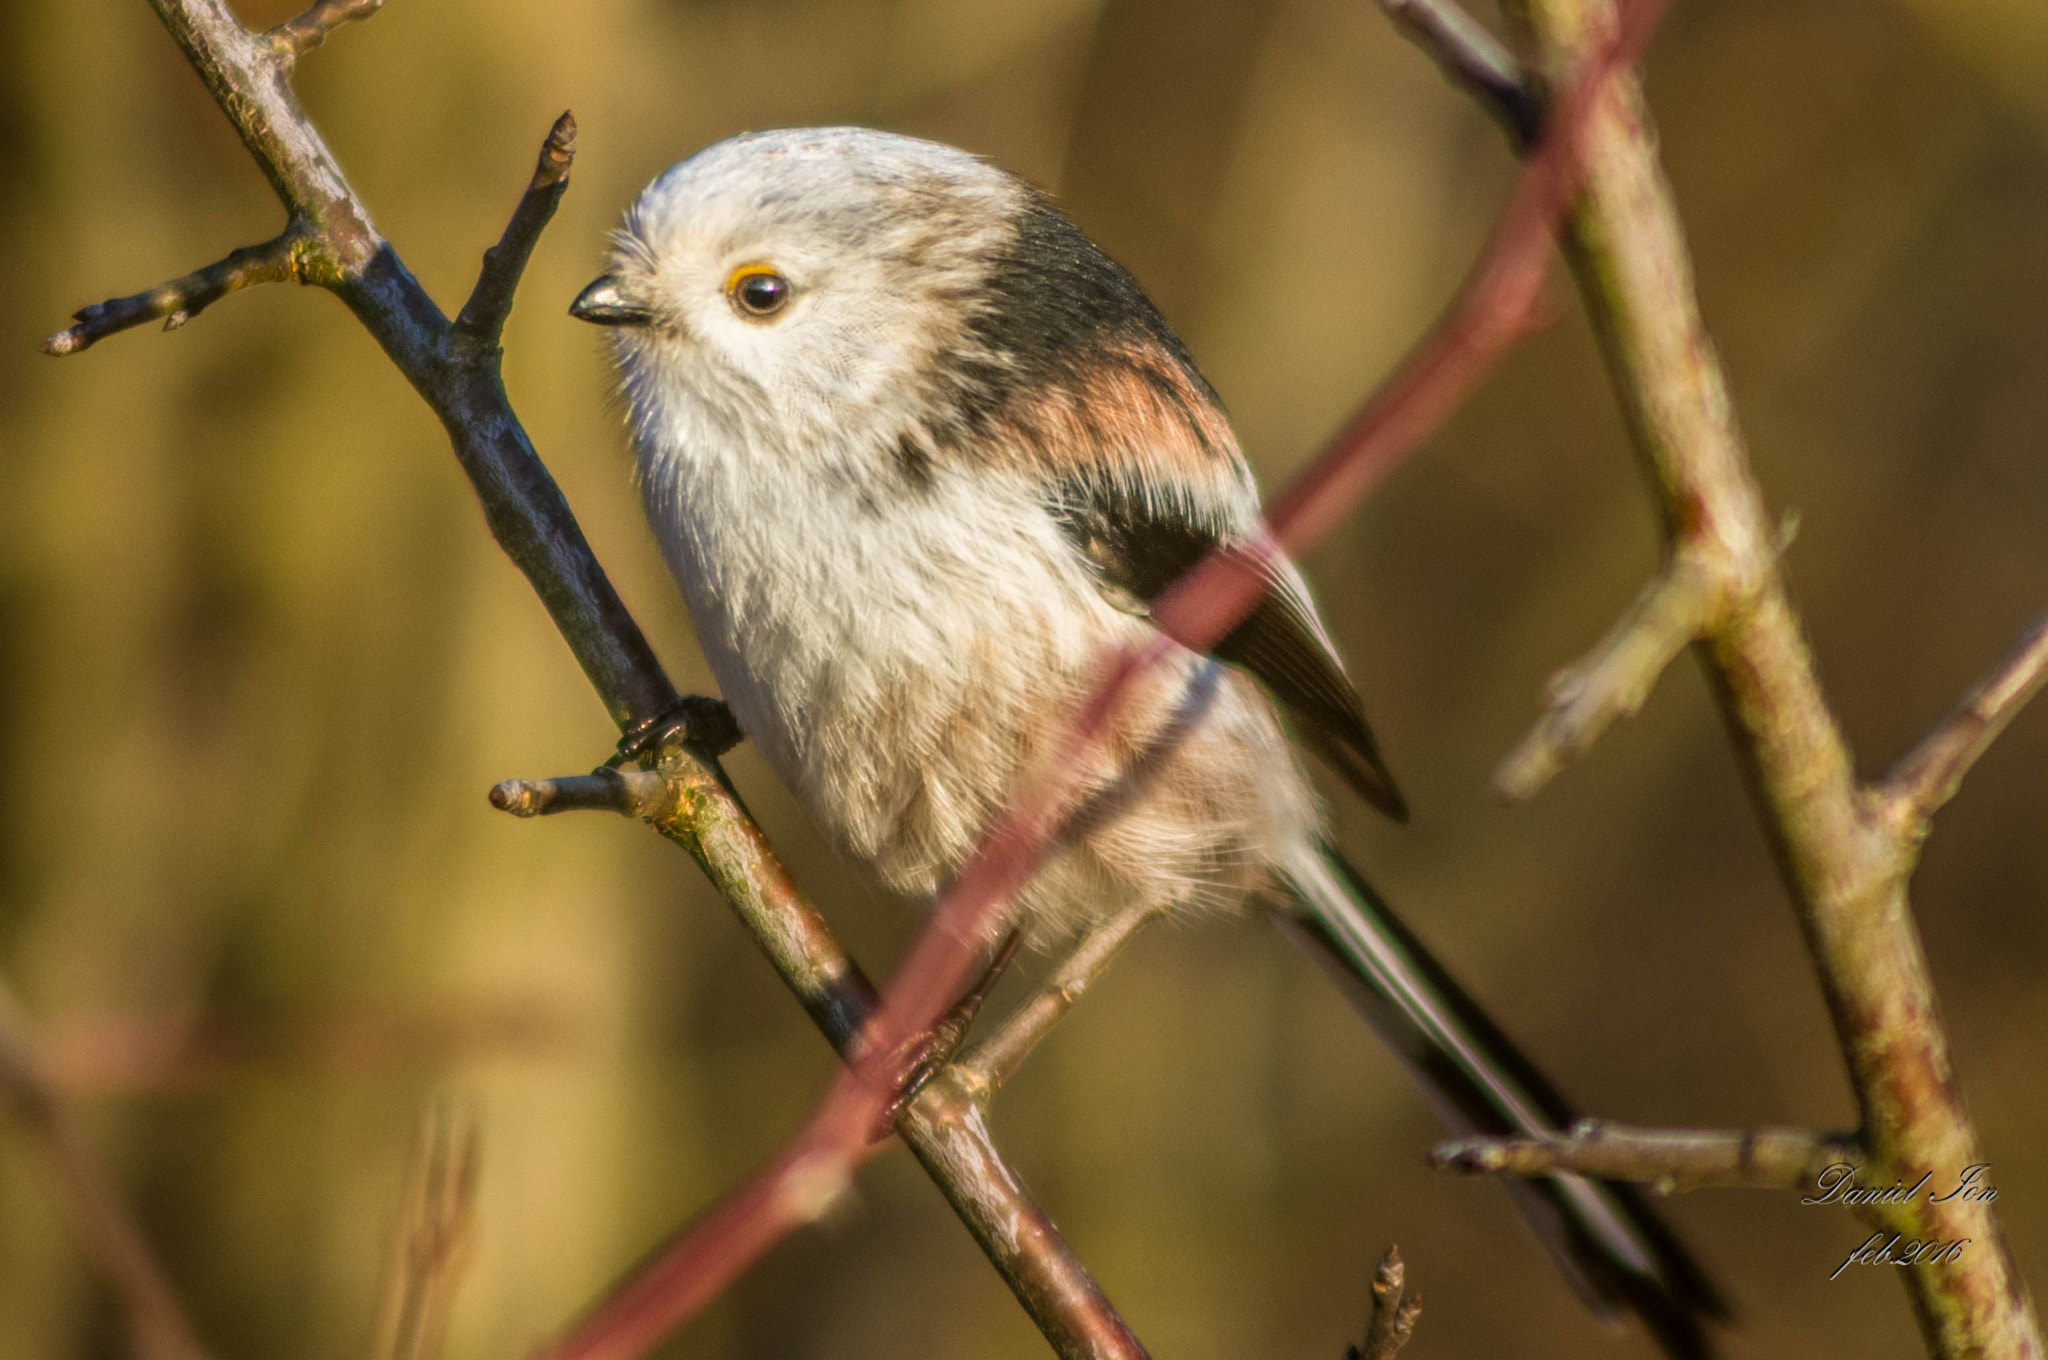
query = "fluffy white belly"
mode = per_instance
[{"x": 904, "y": 666}]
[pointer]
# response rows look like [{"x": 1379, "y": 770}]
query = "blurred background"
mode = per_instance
[{"x": 259, "y": 663}]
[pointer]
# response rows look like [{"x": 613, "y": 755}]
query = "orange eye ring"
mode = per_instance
[{"x": 758, "y": 291}]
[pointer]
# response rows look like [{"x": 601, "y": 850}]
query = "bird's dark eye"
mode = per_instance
[{"x": 758, "y": 291}]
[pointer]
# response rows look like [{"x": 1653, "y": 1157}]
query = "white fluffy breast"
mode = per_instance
[{"x": 905, "y": 661}]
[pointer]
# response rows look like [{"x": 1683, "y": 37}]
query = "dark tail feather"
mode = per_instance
[{"x": 1604, "y": 1237}]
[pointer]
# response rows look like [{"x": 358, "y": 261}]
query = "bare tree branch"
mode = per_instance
[
  {"x": 279, "y": 260},
  {"x": 1394, "y": 1311},
  {"x": 1845, "y": 858},
  {"x": 456, "y": 369},
  {"x": 1614, "y": 679},
  {"x": 1666, "y": 1160},
  {"x": 156, "y": 1321},
  {"x": 1929, "y": 775},
  {"x": 482, "y": 318},
  {"x": 1472, "y": 57},
  {"x": 434, "y": 1237}
]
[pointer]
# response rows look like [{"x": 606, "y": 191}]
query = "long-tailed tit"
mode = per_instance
[{"x": 918, "y": 453}]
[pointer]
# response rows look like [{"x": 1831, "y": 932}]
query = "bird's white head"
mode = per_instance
[
  {"x": 860, "y": 298},
  {"x": 799, "y": 287}
]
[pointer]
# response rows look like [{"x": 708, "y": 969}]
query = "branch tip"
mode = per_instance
[
  {"x": 305, "y": 31},
  {"x": 1395, "y": 1309},
  {"x": 278, "y": 260},
  {"x": 630, "y": 793},
  {"x": 1614, "y": 679},
  {"x": 482, "y": 319},
  {"x": 1929, "y": 775}
]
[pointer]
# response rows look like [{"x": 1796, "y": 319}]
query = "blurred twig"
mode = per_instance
[
  {"x": 1394, "y": 1311},
  {"x": 991, "y": 1062},
  {"x": 156, "y": 1321},
  {"x": 1472, "y": 57},
  {"x": 456, "y": 369},
  {"x": 433, "y": 1243},
  {"x": 1846, "y": 850},
  {"x": 1929, "y": 774},
  {"x": 1666, "y": 1160},
  {"x": 1617, "y": 675}
]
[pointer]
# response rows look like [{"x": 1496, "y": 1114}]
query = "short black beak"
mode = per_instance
[{"x": 602, "y": 304}]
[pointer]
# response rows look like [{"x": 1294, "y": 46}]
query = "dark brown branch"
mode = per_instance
[
  {"x": 275, "y": 261},
  {"x": 1666, "y": 1160},
  {"x": 1929, "y": 775},
  {"x": 434, "y": 1238},
  {"x": 156, "y": 1322},
  {"x": 1614, "y": 679},
  {"x": 482, "y": 318},
  {"x": 1394, "y": 1311},
  {"x": 1472, "y": 57},
  {"x": 305, "y": 31}
]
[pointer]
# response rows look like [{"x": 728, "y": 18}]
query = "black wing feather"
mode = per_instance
[{"x": 1141, "y": 543}]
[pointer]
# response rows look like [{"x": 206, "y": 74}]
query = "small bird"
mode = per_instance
[{"x": 919, "y": 453}]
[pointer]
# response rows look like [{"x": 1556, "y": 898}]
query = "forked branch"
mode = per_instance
[
  {"x": 1846, "y": 850},
  {"x": 455, "y": 368}
]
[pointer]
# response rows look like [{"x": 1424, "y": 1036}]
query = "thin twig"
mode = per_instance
[
  {"x": 1929, "y": 775},
  {"x": 983, "y": 1069},
  {"x": 630, "y": 793},
  {"x": 305, "y": 31},
  {"x": 1394, "y": 1311},
  {"x": 275, "y": 261},
  {"x": 434, "y": 1236},
  {"x": 1472, "y": 57},
  {"x": 1613, "y": 680},
  {"x": 1666, "y": 1160},
  {"x": 482, "y": 318},
  {"x": 156, "y": 1321}
]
